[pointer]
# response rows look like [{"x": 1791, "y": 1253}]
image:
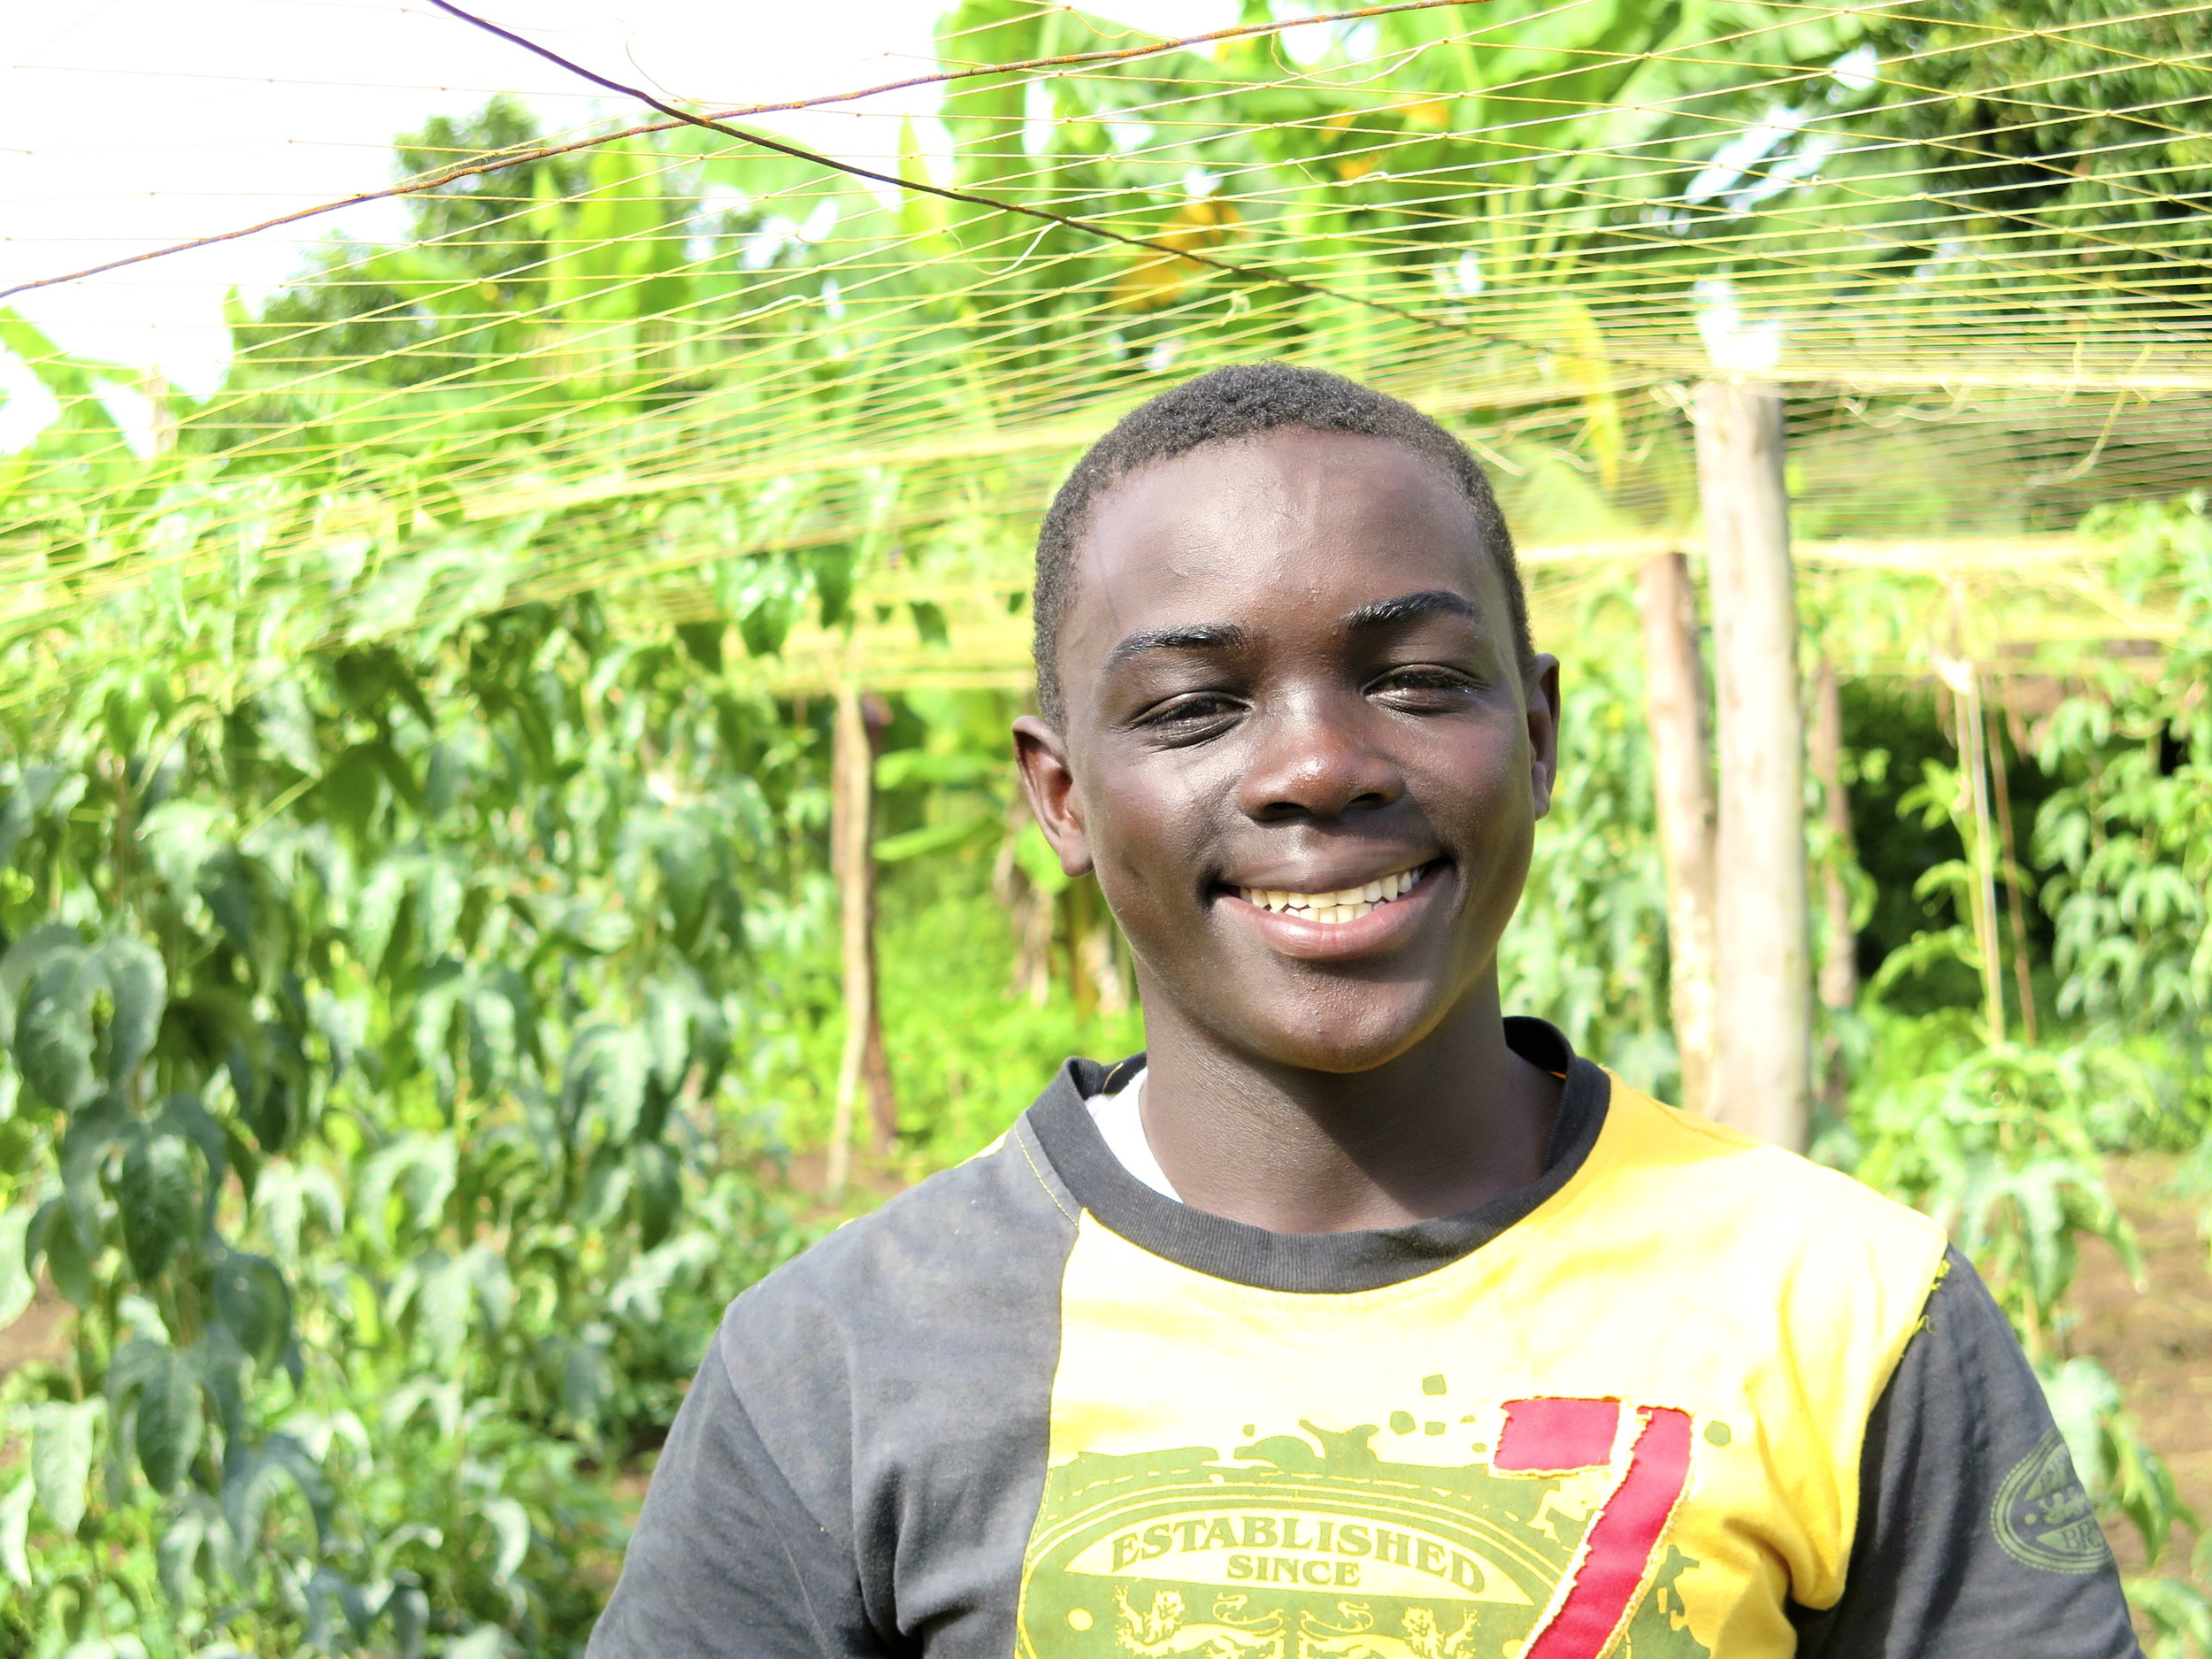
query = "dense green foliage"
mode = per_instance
[
  {"x": 373, "y": 1024},
  {"x": 2106, "y": 72},
  {"x": 405, "y": 1056},
  {"x": 419, "y": 1008}
]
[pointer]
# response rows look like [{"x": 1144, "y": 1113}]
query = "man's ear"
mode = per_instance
[
  {"x": 1542, "y": 691},
  {"x": 1050, "y": 783}
]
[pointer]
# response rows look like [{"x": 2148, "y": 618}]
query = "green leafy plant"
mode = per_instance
[
  {"x": 369, "y": 1104},
  {"x": 411, "y": 995}
]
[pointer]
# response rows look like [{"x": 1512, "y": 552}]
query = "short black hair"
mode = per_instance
[{"x": 1220, "y": 407}]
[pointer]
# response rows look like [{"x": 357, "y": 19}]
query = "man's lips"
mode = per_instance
[{"x": 1360, "y": 927}]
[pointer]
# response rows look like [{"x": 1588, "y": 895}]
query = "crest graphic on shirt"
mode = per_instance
[
  {"x": 2043, "y": 1518},
  {"x": 1312, "y": 1545}
]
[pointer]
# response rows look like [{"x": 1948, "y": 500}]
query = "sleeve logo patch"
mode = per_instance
[
  {"x": 1318, "y": 1548},
  {"x": 2043, "y": 1518}
]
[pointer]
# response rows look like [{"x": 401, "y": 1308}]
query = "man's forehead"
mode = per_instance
[
  {"x": 1297, "y": 518},
  {"x": 1275, "y": 483}
]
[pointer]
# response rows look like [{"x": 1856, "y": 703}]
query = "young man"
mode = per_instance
[{"x": 1353, "y": 1319}]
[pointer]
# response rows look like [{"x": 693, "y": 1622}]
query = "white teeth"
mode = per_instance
[{"x": 1345, "y": 905}]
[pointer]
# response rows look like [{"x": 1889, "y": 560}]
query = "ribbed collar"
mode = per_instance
[{"x": 1320, "y": 1263}]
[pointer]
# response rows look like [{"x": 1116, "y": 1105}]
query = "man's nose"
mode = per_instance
[{"x": 1316, "y": 757}]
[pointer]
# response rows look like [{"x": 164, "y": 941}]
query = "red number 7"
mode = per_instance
[{"x": 1557, "y": 1437}]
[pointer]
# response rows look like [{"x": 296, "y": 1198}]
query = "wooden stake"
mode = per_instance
[
  {"x": 1682, "y": 784},
  {"x": 1838, "y": 982},
  {"x": 1029, "y": 907},
  {"x": 1962, "y": 679},
  {"x": 2022, "y": 974},
  {"x": 863, "y": 1066},
  {"x": 1763, "y": 1077},
  {"x": 1981, "y": 842},
  {"x": 1974, "y": 755}
]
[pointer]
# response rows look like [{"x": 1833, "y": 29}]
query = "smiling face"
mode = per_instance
[{"x": 1297, "y": 749}]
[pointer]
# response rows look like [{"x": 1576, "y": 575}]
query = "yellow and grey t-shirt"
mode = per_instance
[{"x": 1686, "y": 1397}]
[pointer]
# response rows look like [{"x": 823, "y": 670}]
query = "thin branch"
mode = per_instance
[{"x": 521, "y": 156}]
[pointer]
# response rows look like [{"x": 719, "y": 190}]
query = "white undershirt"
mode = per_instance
[{"x": 1121, "y": 1124}]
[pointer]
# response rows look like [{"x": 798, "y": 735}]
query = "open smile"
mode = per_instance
[
  {"x": 1380, "y": 915},
  {"x": 1334, "y": 909}
]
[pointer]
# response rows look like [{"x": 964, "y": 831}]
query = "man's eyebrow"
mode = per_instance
[
  {"x": 1201, "y": 636},
  {"x": 1435, "y": 602}
]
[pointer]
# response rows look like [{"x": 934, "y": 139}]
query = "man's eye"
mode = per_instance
[
  {"x": 1425, "y": 687},
  {"x": 1196, "y": 709}
]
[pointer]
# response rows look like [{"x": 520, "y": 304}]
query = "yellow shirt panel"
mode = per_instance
[{"x": 1628, "y": 1423}]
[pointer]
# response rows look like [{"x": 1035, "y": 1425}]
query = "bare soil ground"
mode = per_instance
[
  {"x": 2156, "y": 1341},
  {"x": 42, "y": 1332}
]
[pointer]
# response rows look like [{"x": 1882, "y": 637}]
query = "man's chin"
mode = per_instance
[
  {"x": 1340, "y": 1046},
  {"x": 1340, "y": 1017}
]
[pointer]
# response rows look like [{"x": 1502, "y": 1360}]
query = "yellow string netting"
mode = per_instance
[{"x": 705, "y": 378}]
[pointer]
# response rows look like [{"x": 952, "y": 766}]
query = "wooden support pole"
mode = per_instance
[
  {"x": 857, "y": 732},
  {"x": 1961, "y": 677},
  {"x": 2015, "y": 907},
  {"x": 1762, "y": 1072},
  {"x": 1682, "y": 784},
  {"x": 1838, "y": 981}
]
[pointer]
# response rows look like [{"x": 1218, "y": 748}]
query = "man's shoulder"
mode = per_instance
[
  {"x": 944, "y": 1300},
  {"x": 956, "y": 1238},
  {"x": 1709, "y": 1175}
]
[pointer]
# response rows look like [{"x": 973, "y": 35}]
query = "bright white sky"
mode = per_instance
[{"x": 127, "y": 124}]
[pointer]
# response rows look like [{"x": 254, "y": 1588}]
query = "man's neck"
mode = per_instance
[{"x": 1456, "y": 1121}]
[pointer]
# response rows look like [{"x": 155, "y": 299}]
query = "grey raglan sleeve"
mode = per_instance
[
  {"x": 1974, "y": 1536},
  {"x": 727, "y": 1558},
  {"x": 857, "y": 1468}
]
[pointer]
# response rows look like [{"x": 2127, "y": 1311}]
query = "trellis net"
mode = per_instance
[{"x": 709, "y": 374}]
